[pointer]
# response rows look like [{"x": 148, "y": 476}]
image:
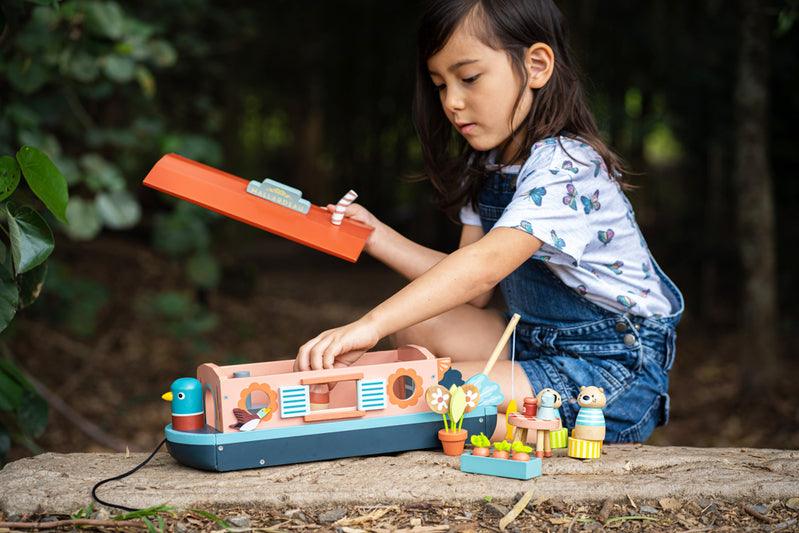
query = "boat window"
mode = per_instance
[{"x": 405, "y": 387}]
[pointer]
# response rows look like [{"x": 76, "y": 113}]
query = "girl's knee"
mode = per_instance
[{"x": 419, "y": 334}]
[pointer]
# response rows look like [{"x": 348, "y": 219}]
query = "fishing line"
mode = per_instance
[{"x": 513, "y": 365}]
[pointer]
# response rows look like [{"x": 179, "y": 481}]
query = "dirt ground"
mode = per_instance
[
  {"x": 540, "y": 514},
  {"x": 272, "y": 299}
]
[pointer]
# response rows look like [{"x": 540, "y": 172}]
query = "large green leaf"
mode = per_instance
[
  {"x": 118, "y": 209},
  {"x": 11, "y": 391},
  {"x": 83, "y": 221},
  {"x": 9, "y": 176},
  {"x": 31, "y": 238},
  {"x": 9, "y": 298},
  {"x": 105, "y": 19},
  {"x": 118, "y": 68},
  {"x": 30, "y": 285},
  {"x": 27, "y": 75},
  {"x": 45, "y": 180},
  {"x": 32, "y": 413},
  {"x": 101, "y": 174}
]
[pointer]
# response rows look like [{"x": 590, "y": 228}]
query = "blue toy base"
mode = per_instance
[
  {"x": 500, "y": 467},
  {"x": 223, "y": 452}
]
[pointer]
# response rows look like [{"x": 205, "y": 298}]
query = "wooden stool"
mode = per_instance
[{"x": 542, "y": 429}]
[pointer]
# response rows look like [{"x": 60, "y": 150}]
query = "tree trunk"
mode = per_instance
[{"x": 759, "y": 356}]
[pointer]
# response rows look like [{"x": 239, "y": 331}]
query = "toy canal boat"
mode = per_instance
[{"x": 264, "y": 414}]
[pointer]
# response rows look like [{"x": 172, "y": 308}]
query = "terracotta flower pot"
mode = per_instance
[
  {"x": 521, "y": 456},
  {"x": 500, "y": 454},
  {"x": 452, "y": 441},
  {"x": 481, "y": 452}
]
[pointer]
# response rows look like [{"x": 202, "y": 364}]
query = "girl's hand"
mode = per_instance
[
  {"x": 361, "y": 214},
  {"x": 337, "y": 347}
]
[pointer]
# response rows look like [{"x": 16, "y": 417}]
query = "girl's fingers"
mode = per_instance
[
  {"x": 318, "y": 351},
  {"x": 303, "y": 361},
  {"x": 346, "y": 359}
]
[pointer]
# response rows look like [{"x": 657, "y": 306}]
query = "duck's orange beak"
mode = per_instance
[{"x": 167, "y": 396}]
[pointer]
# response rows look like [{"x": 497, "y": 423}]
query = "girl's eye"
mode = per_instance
[
  {"x": 440, "y": 87},
  {"x": 472, "y": 79}
]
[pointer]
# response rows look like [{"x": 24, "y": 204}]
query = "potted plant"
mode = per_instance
[
  {"x": 501, "y": 449},
  {"x": 450, "y": 404},
  {"x": 520, "y": 451},
  {"x": 481, "y": 445}
]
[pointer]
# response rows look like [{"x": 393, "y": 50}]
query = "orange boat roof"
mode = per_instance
[{"x": 227, "y": 194}]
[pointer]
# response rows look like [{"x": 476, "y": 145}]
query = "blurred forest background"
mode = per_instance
[{"x": 700, "y": 98}]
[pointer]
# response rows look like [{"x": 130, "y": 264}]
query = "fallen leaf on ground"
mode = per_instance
[
  {"x": 514, "y": 512},
  {"x": 670, "y": 504}
]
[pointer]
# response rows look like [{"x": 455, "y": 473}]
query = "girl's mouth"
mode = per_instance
[{"x": 466, "y": 129}]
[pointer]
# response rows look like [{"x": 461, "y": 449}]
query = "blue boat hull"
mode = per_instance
[{"x": 224, "y": 452}]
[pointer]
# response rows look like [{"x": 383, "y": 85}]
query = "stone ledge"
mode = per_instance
[{"x": 61, "y": 483}]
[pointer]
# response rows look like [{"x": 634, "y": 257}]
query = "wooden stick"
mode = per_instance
[{"x": 501, "y": 344}]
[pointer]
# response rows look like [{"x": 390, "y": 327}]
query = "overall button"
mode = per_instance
[
  {"x": 621, "y": 327},
  {"x": 629, "y": 339}
]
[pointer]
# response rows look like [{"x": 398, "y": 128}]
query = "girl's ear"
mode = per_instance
[{"x": 539, "y": 60}]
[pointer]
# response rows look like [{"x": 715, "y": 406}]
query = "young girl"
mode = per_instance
[{"x": 543, "y": 215}]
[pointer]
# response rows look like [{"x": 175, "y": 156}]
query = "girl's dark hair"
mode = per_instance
[{"x": 559, "y": 107}]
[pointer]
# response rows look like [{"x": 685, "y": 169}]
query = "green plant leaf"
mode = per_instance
[
  {"x": 45, "y": 180},
  {"x": 146, "y": 81},
  {"x": 32, "y": 413},
  {"x": 30, "y": 285},
  {"x": 46, "y": 3},
  {"x": 11, "y": 391},
  {"x": 9, "y": 298},
  {"x": 31, "y": 238},
  {"x": 457, "y": 405},
  {"x": 5, "y": 443},
  {"x": 203, "y": 270},
  {"x": 162, "y": 53},
  {"x": 100, "y": 174},
  {"x": 83, "y": 67},
  {"x": 26, "y": 75},
  {"x": 105, "y": 19},
  {"x": 119, "y": 68},
  {"x": 118, "y": 209},
  {"x": 83, "y": 221},
  {"x": 9, "y": 176}
]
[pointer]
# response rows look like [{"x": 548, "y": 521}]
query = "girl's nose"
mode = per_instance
[{"x": 453, "y": 100}]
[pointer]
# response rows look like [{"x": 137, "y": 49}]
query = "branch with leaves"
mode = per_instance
[{"x": 26, "y": 241}]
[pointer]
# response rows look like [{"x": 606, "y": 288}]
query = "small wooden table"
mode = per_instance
[{"x": 541, "y": 427}]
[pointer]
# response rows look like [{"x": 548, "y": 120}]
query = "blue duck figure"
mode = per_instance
[{"x": 186, "y": 396}]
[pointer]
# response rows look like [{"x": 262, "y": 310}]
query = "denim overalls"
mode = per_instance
[{"x": 564, "y": 340}]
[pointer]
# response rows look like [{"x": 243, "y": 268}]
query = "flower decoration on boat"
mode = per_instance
[
  {"x": 257, "y": 393},
  {"x": 437, "y": 398},
  {"x": 472, "y": 396},
  {"x": 404, "y": 387}
]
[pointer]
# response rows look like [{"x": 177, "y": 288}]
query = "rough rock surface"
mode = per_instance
[{"x": 61, "y": 483}]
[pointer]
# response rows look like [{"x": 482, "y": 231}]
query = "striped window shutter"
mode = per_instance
[
  {"x": 294, "y": 401},
  {"x": 371, "y": 394}
]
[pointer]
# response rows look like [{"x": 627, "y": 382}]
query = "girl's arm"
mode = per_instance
[
  {"x": 463, "y": 275},
  {"x": 402, "y": 254},
  {"x": 412, "y": 259},
  {"x": 458, "y": 278}
]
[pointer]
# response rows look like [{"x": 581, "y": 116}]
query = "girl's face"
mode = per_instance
[{"x": 478, "y": 90}]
